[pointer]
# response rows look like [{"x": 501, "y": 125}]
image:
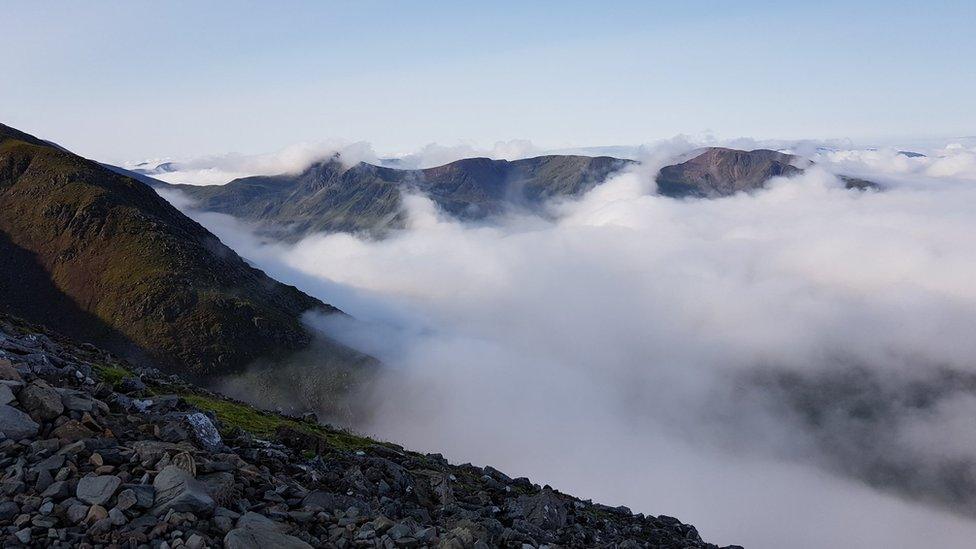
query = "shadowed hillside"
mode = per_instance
[{"x": 101, "y": 256}]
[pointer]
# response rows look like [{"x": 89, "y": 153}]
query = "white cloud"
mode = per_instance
[{"x": 610, "y": 351}]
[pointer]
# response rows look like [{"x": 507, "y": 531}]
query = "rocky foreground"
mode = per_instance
[{"x": 97, "y": 453}]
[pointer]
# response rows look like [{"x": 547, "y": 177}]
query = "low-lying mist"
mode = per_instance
[{"x": 790, "y": 368}]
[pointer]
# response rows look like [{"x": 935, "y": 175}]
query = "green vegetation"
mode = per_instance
[
  {"x": 111, "y": 374},
  {"x": 264, "y": 424}
]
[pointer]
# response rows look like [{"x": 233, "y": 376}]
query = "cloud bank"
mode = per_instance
[{"x": 789, "y": 368}]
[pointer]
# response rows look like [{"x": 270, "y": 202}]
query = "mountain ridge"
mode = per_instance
[{"x": 331, "y": 197}]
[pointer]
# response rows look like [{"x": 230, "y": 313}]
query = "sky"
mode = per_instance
[{"x": 119, "y": 81}]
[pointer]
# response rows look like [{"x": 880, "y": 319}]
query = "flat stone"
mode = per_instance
[
  {"x": 258, "y": 538},
  {"x": 97, "y": 490},
  {"x": 53, "y": 462},
  {"x": 177, "y": 489},
  {"x": 15, "y": 424},
  {"x": 257, "y": 520},
  {"x": 59, "y": 490}
]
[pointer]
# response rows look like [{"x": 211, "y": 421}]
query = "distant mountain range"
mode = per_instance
[
  {"x": 100, "y": 256},
  {"x": 329, "y": 196}
]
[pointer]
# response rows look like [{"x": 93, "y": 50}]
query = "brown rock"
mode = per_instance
[
  {"x": 72, "y": 431},
  {"x": 8, "y": 372}
]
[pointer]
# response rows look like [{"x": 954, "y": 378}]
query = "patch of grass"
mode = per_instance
[
  {"x": 264, "y": 424},
  {"x": 110, "y": 373}
]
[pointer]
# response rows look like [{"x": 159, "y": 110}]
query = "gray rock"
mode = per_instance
[
  {"x": 332, "y": 501},
  {"x": 59, "y": 490},
  {"x": 544, "y": 510},
  {"x": 15, "y": 424},
  {"x": 53, "y": 462},
  {"x": 41, "y": 401},
  {"x": 257, "y": 520},
  {"x": 427, "y": 535},
  {"x": 145, "y": 494},
  {"x": 8, "y": 510},
  {"x": 195, "y": 541},
  {"x": 117, "y": 516},
  {"x": 400, "y": 530},
  {"x": 224, "y": 524},
  {"x": 259, "y": 538},
  {"x": 204, "y": 431},
  {"x": 97, "y": 490},
  {"x": 78, "y": 401},
  {"x": 77, "y": 512},
  {"x": 23, "y": 535},
  {"x": 176, "y": 489},
  {"x": 6, "y": 395}
]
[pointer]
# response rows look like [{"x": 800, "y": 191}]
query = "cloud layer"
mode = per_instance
[{"x": 749, "y": 364}]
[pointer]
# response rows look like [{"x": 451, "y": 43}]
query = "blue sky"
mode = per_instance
[{"x": 125, "y": 80}]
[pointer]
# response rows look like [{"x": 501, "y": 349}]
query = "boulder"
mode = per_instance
[
  {"x": 97, "y": 490},
  {"x": 204, "y": 431},
  {"x": 177, "y": 489},
  {"x": 41, "y": 401},
  {"x": 544, "y": 510},
  {"x": 15, "y": 424}
]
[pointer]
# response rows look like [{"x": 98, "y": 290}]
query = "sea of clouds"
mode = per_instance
[{"x": 788, "y": 368}]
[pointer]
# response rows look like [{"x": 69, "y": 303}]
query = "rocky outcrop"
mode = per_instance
[{"x": 140, "y": 467}]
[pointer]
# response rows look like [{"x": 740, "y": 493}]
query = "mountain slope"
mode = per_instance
[
  {"x": 330, "y": 197},
  {"x": 127, "y": 457},
  {"x": 102, "y": 257}
]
